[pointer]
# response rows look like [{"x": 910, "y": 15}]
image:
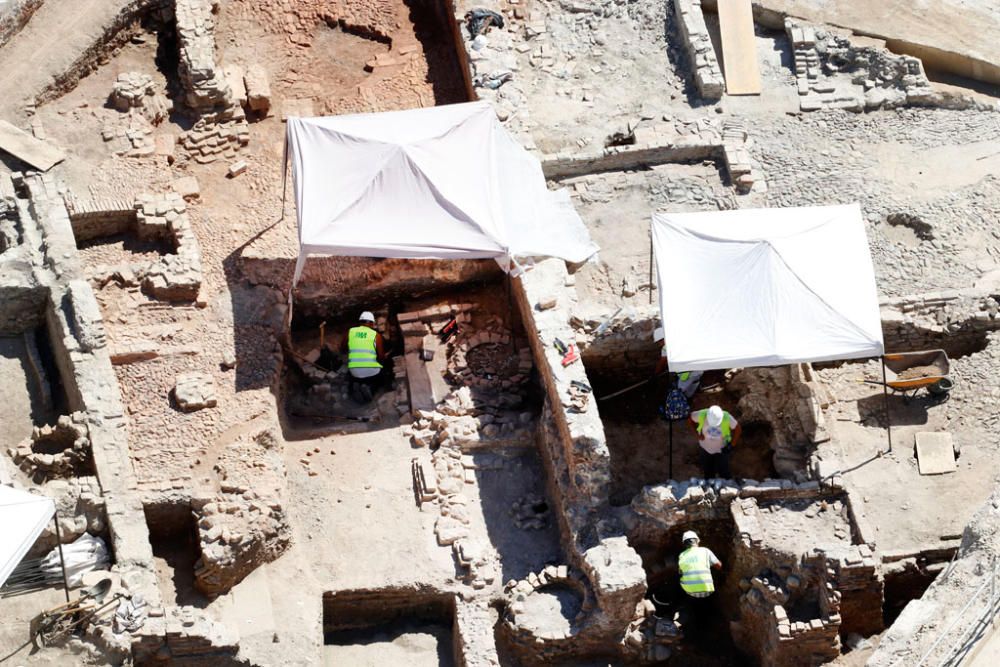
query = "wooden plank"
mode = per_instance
[
  {"x": 935, "y": 453},
  {"x": 24, "y": 147},
  {"x": 739, "y": 47},
  {"x": 419, "y": 381}
]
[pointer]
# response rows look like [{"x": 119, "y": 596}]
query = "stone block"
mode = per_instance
[
  {"x": 194, "y": 391},
  {"x": 236, "y": 168},
  {"x": 258, "y": 89},
  {"x": 187, "y": 187}
]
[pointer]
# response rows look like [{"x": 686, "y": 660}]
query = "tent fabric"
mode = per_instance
[
  {"x": 443, "y": 182},
  {"x": 766, "y": 287},
  {"x": 23, "y": 516}
]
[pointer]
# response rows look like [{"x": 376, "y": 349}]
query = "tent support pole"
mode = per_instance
[
  {"x": 510, "y": 312},
  {"x": 62, "y": 561},
  {"x": 651, "y": 265},
  {"x": 885, "y": 396},
  {"x": 284, "y": 178}
]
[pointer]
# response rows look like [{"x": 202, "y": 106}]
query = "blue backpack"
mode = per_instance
[{"x": 676, "y": 405}]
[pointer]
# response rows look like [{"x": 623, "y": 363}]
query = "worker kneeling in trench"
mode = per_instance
[{"x": 365, "y": 351}]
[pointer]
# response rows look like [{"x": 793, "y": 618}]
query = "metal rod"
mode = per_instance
[
  {"x": 651, "y": 265},
  {"x": 62, "y": 561},
  {"x": 631, "y": 387},
  {"x": 885, "y": 396},
  {"x": 671, "y": 465},
  {"x": 669, "y": 417}
]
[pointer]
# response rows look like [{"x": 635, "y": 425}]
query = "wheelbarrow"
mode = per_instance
[{"x": 907, "y": 373}]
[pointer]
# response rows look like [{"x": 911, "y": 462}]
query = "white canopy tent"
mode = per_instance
[
  {"x": 766, "y": 287},
  {"x": 444, "y": 182},
  {"x": 23, "y": 516}
]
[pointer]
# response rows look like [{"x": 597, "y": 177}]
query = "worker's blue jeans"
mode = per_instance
[{"x": 716, "y": 465}]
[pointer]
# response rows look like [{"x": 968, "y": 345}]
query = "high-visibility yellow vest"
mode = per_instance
[
  {"x": 684, "y": 376},
  {"x": 726, "y": 433},
  {"x": 361, "y": 350},
  {"x": 696, "y": 570}
]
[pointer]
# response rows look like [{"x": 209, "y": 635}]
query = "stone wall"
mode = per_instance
[
  {"x": 175, "y": 276},
  {"x": 77, "y": 336},
  {"x": 950, "y": 319},
  {"x": 707, "y": 73},
  {"x": 577, "y": 461},
  {"x": 203, "y": 79}
]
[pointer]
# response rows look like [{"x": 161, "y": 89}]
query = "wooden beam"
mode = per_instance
[{"x": 739, "y": 47}]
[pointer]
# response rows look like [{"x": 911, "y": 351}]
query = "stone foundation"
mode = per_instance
[{"x": 701, "y": 54}]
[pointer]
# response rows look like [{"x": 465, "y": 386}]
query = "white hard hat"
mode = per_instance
[
  {"x": 366, "y": 317},
  {"x": 657, "y": 334},
  {"x": 714, "y": 416},
  {"x": 689, "y": 535}
]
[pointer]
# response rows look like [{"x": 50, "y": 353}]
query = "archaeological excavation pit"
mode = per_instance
[
  {"x": 395, "y": 627},
  {"x": 639, "y": 437},
  {"x": 173, "y": 535},
  {"x": 674, "y": 619},
  {"x": 465, "y": 343},
  {"x": 797, "y": 579},
  {"x": 33, "y": 395}
]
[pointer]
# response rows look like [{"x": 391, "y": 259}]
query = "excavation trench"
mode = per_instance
[
  {"x": 459, "y": 338},
  {"x": 388, "y": 628},
  {"x": 639, "y": 438}
]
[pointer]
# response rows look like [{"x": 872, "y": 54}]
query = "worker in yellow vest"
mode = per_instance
[
  {"x": 687, "y": 381},
  {"x": 695, "y": 564},
  {"x": 365, "y": 352},
  {"x": 717, "y": 431}
]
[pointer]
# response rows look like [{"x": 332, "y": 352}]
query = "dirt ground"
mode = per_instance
[
  {"x": 908, "y": 511},
  {"x": 413, "y": 644}
]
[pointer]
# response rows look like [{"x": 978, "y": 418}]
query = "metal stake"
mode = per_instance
[
  {"x": 671, "y": 465},
  {"x": 885, "y": 396},
  {"x": 651, "y": 265},
  {"x": 62, "y": 561}
]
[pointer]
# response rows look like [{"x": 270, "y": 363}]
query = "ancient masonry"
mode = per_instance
[
  {"x": 833, "y": 74},
  {"x": 707, "y": 73},
  {"x": 176, "y": 276}
]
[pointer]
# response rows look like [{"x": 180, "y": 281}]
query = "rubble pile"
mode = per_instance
[
  {"x": 471, "y": 422},
  {"x": 649, "y": 638},
  {"x": 442, "y": 481},
  {"x": 56, "y": 451},
  {"x": 134, "y": 91},
  {"x": 245, "y": 524},
  {"x": 833, "y": 73}
]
